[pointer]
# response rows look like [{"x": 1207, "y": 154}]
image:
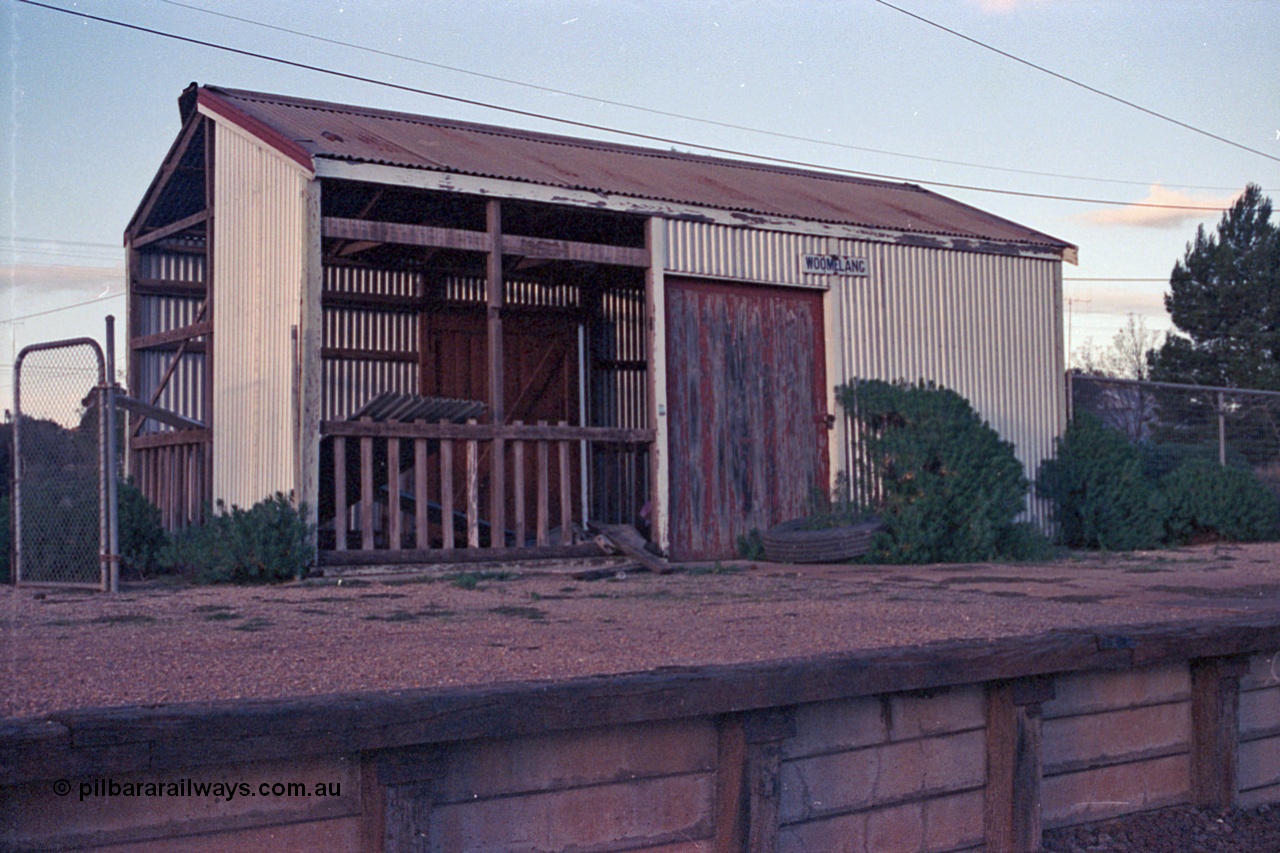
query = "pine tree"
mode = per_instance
[{"x": 1224, "y": 296}]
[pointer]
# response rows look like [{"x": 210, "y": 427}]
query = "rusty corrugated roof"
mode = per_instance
[{"x": 361, "y": 135}]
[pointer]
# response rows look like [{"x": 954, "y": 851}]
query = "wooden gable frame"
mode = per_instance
[{"x": 174, "y": 468}]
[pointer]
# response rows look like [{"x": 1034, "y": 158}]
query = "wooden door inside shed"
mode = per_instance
[
  {"x": 539, "y": 364},
  {"x": 540, "y": 378},
  {"x": 746, "y": 392}
]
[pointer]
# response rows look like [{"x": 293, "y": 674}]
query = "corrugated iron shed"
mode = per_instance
[{"x": 324, "y": 130}]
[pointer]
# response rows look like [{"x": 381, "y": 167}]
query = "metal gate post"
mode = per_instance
[
  {"x": 1222, "y": 430},
  {"x": 111, "y": 475},
  {"x": 16, "y": 474}
]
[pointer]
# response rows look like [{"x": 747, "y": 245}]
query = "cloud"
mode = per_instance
[
  {"x": 1117, "y": 300},
  {"x": 1133, "y": 216},
  {"x": 33, "y": 280}
]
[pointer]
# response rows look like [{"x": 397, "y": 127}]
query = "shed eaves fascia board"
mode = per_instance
[
  {"x": 1029, "y": 241},
  {"x": 499, "y": 186},
  {"x": 209, "y": 103}
]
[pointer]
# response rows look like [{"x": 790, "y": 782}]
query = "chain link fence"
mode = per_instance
[
  {"x": 60, "y": 462},
  {"x": 1175, "y": 423}
]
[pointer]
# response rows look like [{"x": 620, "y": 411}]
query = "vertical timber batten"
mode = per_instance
[
  {"x": 130, "y": 360},
  {"x": 210, "y": 235},
  {"x": 311, "y": 340},
  {"x": 497, "y": 412},
  {"x": 655, "y": 237}
]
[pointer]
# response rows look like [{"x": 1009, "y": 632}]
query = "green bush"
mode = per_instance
[
  {"x": 1025, "y": 542},
  {"x": 1208, "y": 501},
  {"x": 1100, "y": 497},
  {"x": 141, "y": 535},
  {"x": 1159, "y": 460},
  {"x": 951, "y": 486},
  {"x": 269, "y": 542},
  {"x": 751, "y": 545}
]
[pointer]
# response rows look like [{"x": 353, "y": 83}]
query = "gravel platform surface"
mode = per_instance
[{"x": 162, "y": 643}]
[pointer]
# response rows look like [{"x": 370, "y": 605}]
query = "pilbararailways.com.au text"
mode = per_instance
[{"x": 106, "y": 788}]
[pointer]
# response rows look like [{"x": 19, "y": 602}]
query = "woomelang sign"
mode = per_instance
[{"x": 832, "y": 265}]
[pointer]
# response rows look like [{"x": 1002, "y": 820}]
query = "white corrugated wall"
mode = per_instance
[
  {"x": 987, "y": 326},
  {"x": 259, "y": 268},
  {"x": 742, "y": 254}
]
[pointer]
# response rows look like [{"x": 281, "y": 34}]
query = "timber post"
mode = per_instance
[
  {"x": 1215, "y": 730},
  {"x": 1015, "y": 764},
  {"x": 748, "y": 783}
]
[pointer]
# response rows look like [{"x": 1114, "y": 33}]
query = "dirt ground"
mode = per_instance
[{"x": 162, "y": 642}]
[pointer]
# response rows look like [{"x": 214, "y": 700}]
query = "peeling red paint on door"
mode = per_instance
[{"x": 746, "y": 381}]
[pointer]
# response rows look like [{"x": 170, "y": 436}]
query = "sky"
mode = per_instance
[{"x": 89, "y": 109}]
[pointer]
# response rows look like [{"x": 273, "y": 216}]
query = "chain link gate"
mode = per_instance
[{"x": 63, "y": 465}]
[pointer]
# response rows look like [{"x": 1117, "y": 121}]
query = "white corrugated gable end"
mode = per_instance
[{"x": 260, "y": 248}]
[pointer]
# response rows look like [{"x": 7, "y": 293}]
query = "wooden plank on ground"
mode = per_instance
[{"x": 628, "y": 540}]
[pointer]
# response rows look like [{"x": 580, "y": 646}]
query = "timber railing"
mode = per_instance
[
  {"x": 424, "y": 491},
  {"x": 173, "y": 470}
]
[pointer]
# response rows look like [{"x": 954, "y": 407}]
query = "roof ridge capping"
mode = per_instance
[{"x": 919, "y": 211}]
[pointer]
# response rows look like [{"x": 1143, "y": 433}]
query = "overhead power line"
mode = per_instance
[
  {"x": 604, "y": 128},
  {"x": 62, "y": 308},
  {"x": 667, "y": 113},
  {"x": 1075, "y": 82},
  {"x": 49, "y": 242}
]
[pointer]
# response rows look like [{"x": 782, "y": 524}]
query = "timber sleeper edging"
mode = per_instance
[{"x": 89, "y": 741}]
